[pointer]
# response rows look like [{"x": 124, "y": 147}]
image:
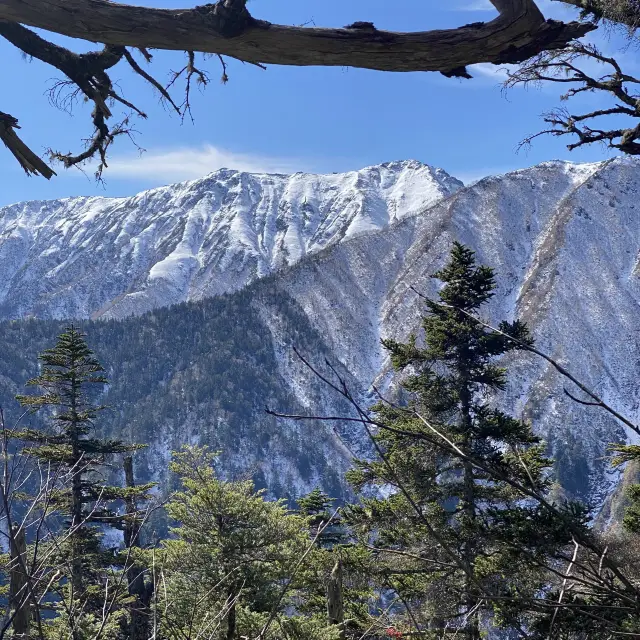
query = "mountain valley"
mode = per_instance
[{"x": 204, "y": 369}]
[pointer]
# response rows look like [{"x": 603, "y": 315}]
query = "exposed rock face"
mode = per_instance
[
  {"x": 113, "y": 257},
  {"x": 564, "y": 240}
]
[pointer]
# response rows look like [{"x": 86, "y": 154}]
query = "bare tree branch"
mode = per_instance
[
  {"x": 28, "y": 160},
  {"x": 190, "y": 71},
  {"x": 568, "y": 67},
  {"x": 227, "y": 28},
  {"x": 149, "y": 78}
]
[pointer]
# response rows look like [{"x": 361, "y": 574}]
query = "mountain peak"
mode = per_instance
[
  {"x": 111, "y": 257},
  {"x": 563, "y": 238}
]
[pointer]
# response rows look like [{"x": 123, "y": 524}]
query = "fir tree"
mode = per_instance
[
  {"x": 629, "y": 454},
  {"x": 440, "y": 537},
  {"x": 85, "y": 505},
  {"x": 337, "y": 576},
  {"x": 232, "y": 555},
  {"x": 324, "y": 520}
]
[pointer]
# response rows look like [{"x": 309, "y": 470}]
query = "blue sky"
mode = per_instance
[{"x": 291, "y": 119}]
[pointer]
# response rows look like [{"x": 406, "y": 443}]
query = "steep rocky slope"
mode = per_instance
[
  {"x": 111, "y": 257},
  {"x": 565, "y": 242}
]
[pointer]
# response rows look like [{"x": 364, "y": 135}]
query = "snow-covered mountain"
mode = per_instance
[
  {"x": 564, "y": 240},
  {"x": 113, "y": 257}
]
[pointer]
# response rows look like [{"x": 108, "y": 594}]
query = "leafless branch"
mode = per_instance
[
  {"x": 190, "y": 71},
  {"x": 226, "y": 29},
  {"x": 569, "y": 66}
]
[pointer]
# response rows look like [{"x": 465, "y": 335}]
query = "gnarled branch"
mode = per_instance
[
  {"x": 227, "y": 28},
  {"x": 567, "y": 67}
]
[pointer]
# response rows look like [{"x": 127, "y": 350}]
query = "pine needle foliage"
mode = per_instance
[
  {"x": 449, "y": 538},
  {"x": 232, "y": 564},
  {"x": 82, "y": 506}
]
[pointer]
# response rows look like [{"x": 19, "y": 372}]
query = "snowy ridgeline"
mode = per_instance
[
  {"x": 564, "y": 240},
  {"x": 111, "y": 257}
]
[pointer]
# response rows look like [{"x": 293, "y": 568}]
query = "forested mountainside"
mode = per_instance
[
  {"x": 564, "y": 240},
  {"x": 113, "y": 257},
  {"x": 203, "y": 373}
]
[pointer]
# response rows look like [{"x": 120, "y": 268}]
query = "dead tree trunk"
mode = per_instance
[
  {"x": 138, "y": 587},
  {"x": 19, "y": 589},
  {"x": 335, "y": 599},
  {"x": 231, "y": 614}
]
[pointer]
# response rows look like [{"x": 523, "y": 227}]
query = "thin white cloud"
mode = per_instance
[{"x": 187, "y": 163}]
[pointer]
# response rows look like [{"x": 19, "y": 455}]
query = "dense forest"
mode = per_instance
[
  {"x": 199, "y": 371},
  {"x": 454, "y": 525}
]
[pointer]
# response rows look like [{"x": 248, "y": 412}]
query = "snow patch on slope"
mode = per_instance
[{"x": 113, "y": 257}]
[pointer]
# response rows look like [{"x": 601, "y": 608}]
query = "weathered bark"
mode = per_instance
[
  {"x": 227, "y": 28},
  {"x": 335, "y": 599},
  {"x": 140, "y": 610},
  {"x": 18, "y": 588}
]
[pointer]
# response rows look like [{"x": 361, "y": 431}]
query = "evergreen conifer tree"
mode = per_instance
[
  {"x": 232, "y": 555},
  {"x": 629, "y": 454},
  {"x": 440, "y": 536},
  {"x": 83, "y": 502},
  {"x": 324, "y": 521},
  {"x": 335, "y": 579}
]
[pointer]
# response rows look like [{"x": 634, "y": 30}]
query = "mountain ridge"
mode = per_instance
[
  {"x": 565, "y": 242},
  {"x": 104, "y": 257}
]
